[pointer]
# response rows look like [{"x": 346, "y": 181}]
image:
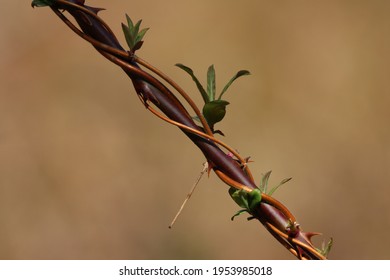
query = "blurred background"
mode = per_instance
[{"x": 87, "y": 173}]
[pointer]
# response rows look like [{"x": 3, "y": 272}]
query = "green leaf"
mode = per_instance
[
  {"x": 211, "y": 83},
  {"x": 198, "y": 84},
  {"x": 254, "y": 198},
  {"x": 42, "y": 3},
  {"x": 240, "y": 197},
  {"x": 276, "y": 187},
  {"x": 238, "y": 213},
  {"x": 136, "y": 27},
  {"x": 246, "y": 200},
  {"x": 238, "y": 74},
  {"x": 132, "y": 34},
  {"x": 129, "y": 22},
  {"x": 141, "y": 34},
  {"x": 214, "y": 111},
  {"x": 325, "y": 248},
  {"x": 128, "y": 36},
  {"x": 264, "y": 181}
]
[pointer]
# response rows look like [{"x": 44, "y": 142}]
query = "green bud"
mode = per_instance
[
  {"x": 254, "y": 198},
  {"x": 246, "y": 200},
  {"x": 214, "y": 111},
  {"x": 240, "y": 197}
]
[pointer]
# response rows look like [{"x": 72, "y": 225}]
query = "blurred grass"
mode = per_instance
[{"x": 87, "y": 173}]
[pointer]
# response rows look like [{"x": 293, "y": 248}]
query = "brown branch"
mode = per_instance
[{"x": 275, "y": 217}]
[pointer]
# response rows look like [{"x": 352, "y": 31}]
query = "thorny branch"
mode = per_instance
[{"x": 229, "y": 166}]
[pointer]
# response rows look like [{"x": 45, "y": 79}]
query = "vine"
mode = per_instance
[{"x": 227, "y": 164}]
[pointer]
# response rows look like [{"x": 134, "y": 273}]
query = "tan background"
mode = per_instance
[{"x": 86, "y": 172}]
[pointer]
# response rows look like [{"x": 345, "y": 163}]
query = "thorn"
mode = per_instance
[
  {"x": 218, "y": 132},
  {"x": 243, "y": 165},
  {"x": 94, "y": 9},
  {"x": 210, "y": 167},
  {"x": 309, "y": 235}
]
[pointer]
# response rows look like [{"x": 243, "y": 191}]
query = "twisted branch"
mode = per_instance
[{"x": 232, "y": 170}]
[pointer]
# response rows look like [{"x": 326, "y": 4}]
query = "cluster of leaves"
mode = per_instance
[
  {"x": 133, "y": 34},
  {"x": 214, "y": 109},
  {"x": 248, "y": 201},
  {"x": 264, "y": 184}
]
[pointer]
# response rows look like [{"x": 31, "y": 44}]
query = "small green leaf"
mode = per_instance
[
  {"x": 264, "y": 184},
  {"x": 128, "y": 36},
  {"x": 276, "y": 187},
  {"x": 246, "y": 200},
  {"x": 42, "y": 3},
  {"x": 141, "y": 34},
  {"x": 136, "y": 27},
  {"x": 132, "y": 34},
  {"x": 240, "y": 197},
  {"x": 129, "y": 22},
  {"x": 238, "y": 213},
  {"x": 254, "y": 198},
  {"x": 198, "y": 84},
  {"x": 238, "y": 74},
  {"x": 211, "y": 83},
  {"x": 214, "y": 111},
  {"x": 264, "y": 181},
  {"x": 325, "y": 248}
]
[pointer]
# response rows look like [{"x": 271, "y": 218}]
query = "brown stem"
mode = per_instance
[
  {"x": 276, "y": 218},
  {"x": 179, "y": 90}
]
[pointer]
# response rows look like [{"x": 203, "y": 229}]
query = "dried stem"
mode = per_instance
[{"x": 204, "y": 170}]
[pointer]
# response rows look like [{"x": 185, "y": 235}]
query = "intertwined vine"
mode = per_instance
[{"x": 225, "y": 161}]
